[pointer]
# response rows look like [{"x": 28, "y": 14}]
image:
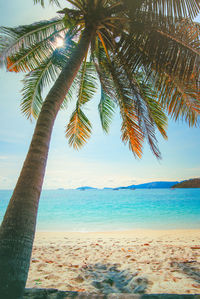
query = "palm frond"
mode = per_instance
[
  {"x": 108, "y": 95},
  {"x": 41, "y": 2},
  {"x": 34, "y": 82},
  {"x": 175, "y": 75},
  {"x": 138, "y": 91},
  {"x": 106, "y": 109},
  {"x": 173, "y": 49},
  {"x": 137, "y": 122},
  {"x": 174, "y": 8},
  {"x": 156, "y": 111},
  {"x": 135, "y": 41},
  {"x": 14, "y": 40},
  {"x": 131, "y": 130},
  {"x": 30, "y": 58},
  {"x": 100, "y": 58},
  {"x": 182, "y": 101},
  {"x": 42, "y": 76},
  {"x": 143, "y": 94},
  {"x": 78, "y": 130},
  {"x": 87, "y": 82},
  {"x": 183, "y": 49}
]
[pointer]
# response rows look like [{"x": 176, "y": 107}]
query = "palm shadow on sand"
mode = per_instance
[
  {"x": 108, "y": 278},
  {"x": 189, "y": 268}
]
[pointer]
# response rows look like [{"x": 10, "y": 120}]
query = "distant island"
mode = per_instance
[
  {"x": 86, "y": 188},
  {"x": 151, "y": 185},
  {"x": 192, "y": 183}
]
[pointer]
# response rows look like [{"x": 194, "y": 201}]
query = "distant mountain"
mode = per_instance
[
  {"x": 152, "y": 185},
  {"x": 86, "y": 188},
  {"x": 192, "y": 183}
]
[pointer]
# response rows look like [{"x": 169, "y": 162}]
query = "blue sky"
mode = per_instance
[{"x": 105, "y": 160}]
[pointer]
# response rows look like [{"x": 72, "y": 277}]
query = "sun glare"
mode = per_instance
[{"x": 59, "y": 42}]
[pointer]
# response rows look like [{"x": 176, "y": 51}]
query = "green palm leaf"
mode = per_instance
[
  {"x": 30, "y": 58},
  {"x": 42, "y": 76},
  {"x": 87, "y": 82},
  {"x": 79, "y": 128},
  {"x": 156, "y": 110},
  {"x": 107, "y": 103},
  {"x": 24, "y": 38},
  {"x": 106, "y": 110},
  {"x": 34, "y": 83}
]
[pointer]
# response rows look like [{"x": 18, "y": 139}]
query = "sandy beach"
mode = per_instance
[{"x": 139, "y": 261}]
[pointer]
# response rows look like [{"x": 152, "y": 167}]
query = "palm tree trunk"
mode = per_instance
[{"x": 18, "y": 227}]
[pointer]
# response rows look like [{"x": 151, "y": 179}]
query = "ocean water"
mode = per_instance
[{"x": 106, "y": 210}]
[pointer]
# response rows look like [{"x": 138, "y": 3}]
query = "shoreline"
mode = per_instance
[
  {"x": 136, "y": 261},
  {"x": 120, "y": 233}
]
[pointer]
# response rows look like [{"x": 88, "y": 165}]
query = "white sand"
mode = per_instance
[{"x": 166, "y": 261}]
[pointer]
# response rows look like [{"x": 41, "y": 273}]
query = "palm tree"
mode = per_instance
[{"x": 146, "y": 57}]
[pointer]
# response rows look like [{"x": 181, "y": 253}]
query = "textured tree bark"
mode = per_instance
[{"x": 18, "y": 227}]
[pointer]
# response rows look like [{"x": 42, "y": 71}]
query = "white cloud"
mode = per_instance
[{"x": 4, "y": 157}]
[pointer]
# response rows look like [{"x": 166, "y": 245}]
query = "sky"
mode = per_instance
[{"x": 105, "y": 161}]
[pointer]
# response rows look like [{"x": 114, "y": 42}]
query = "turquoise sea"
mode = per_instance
[{"x": 105, "y": 210}]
